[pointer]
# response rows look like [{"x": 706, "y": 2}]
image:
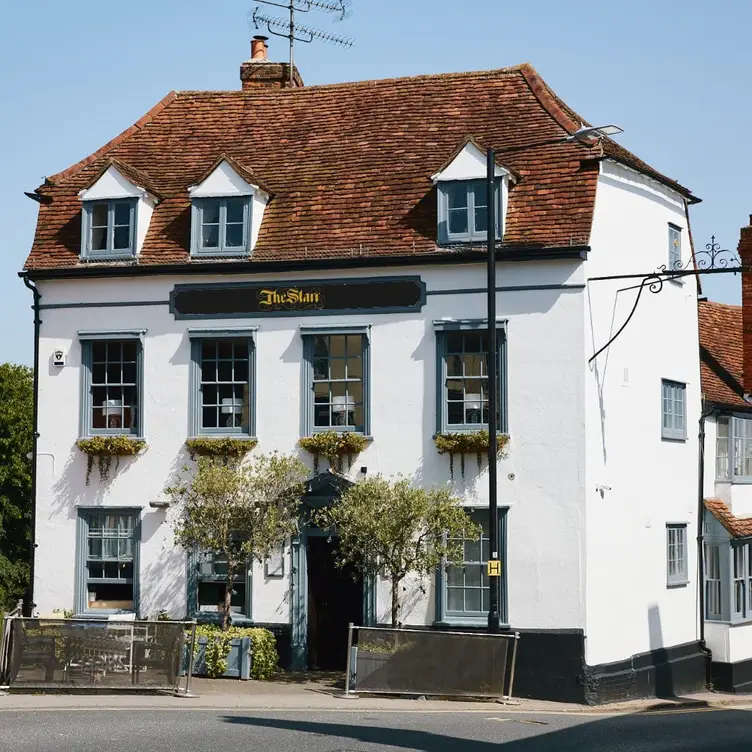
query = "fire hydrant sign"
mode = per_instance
[{"x": 494, "y": 568}]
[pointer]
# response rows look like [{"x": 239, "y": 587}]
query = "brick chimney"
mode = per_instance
[
  {"x": 260, "y": 72},
  {"x": 745, "y": 255}
]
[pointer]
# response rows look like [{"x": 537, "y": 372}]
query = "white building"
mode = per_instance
[{"x": 165, "y": 263}]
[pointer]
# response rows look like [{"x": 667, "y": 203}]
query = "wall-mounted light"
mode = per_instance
[{"x": 159, "y": 504}]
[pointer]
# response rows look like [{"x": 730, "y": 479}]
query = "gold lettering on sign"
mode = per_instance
[{"x": 290, "y": 298}]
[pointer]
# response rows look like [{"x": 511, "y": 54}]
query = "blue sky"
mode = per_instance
[{"x": 673, "y": 73}]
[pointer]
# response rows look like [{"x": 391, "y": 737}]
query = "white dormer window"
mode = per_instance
[
  {"x": 227, "y": 210},
  {"x": 463, "y": 197},
  {"x": 116, "y": 209}
]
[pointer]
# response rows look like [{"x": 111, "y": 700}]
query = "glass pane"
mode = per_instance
[
  {"x": 209, "y": 417},
  {"x": 355, "y": 392},
  {"x": 96, "y": 570},
  {"x": 209, "y": 395},
  {"x": 210, "y": 236},
  {"x": 354, "y": 367},
  {"x": 455, "y": 413},
  {"x": 321, "y": 415},
  {"x": 99, "y": 213},
  {"x": 234, "y": 210},
  {"x": 455, "y": 576},
  {"x": 95, "y": 548},
  {"x": 473, "y": 365},
  {"x": 454, "y": 365},
  {"x": 458, "y": 222},
  {"x": 472, "y": 550},
  {"x": 234, "y": 236},
  {"x": 472, "y": 342},
  {"x": 321, "y": 347},
  {"x": 338, "y": 346},
  {"x": 321, "y": 392},
  {"x": 455, "y": 389},
  {"x": 455, "y": 599},
  {"x": 99, "y": 239},
  {"x": 224, "y": 370},
  {"x": 456, "y": 195},
  {"x": 481, "y": 220},
  {"x": 320, "y": 368},
  {"x": 473, "y": 575},
  {"x": 122, "y": 238},
  {"x": 122, "y": 213},
  {"x": 111, "y": 570},
  {"x": 210, "y": 213},
  {"x": 473, "y": 600},
  {"x": 337, "y": 366}
]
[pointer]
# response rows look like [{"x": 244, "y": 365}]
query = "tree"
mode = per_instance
[
  {"x": 239, "y": 510},
  {"x": 16, "y": 432},
  {"x": 392, "y": 528}
]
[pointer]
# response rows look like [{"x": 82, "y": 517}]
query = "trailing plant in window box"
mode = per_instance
[
  {"x": 473, "y": 442},
  {"x": 225, "y": 447},
  {"x": 104, "y": 448},
  {"x": 334, "y": 446},
  {"x": 264, "y": 657}
]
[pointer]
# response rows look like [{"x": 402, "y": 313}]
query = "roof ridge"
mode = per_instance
[
  {"x": 346, "y": 84},
  {"x": 719, "y": 304},
  {"x": 127, "y": 133},
  {"x": 545, "y": 95}
]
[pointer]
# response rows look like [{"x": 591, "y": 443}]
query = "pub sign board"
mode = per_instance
[{"x": 298, "y": 298}]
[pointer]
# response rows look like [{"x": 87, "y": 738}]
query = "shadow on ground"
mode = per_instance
[
  {"x": 685, "y": 731},
  {"x": 330, "y": 679}
]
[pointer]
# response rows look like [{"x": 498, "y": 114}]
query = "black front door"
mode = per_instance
[{"x": 335, "y": 598}]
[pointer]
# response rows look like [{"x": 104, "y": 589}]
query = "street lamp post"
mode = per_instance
[{"x": 493, "y": 527}]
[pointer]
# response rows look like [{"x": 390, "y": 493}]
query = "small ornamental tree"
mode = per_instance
[
  {"x": 392, "y": 528},
  {"x": 239, "y": 511}
]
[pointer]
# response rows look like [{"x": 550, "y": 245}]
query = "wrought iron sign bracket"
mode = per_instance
[{"x": 713, "y": 260}]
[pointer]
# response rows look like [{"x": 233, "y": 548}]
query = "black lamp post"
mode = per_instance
[{"x": 493, "y": 527}]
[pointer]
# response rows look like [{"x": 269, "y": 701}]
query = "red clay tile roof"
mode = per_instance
[
  {"x": 348, "y": 165},
  {"x": 721, "y": 353},
  {"x": 738, "y": 527}
]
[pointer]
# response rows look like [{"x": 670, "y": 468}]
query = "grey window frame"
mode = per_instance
[
  {"x": 680, "y": 577},
  {"x": 443, "y": 330},
  {"x": 197, "y": 338},
  {"x": 673, "y": 433},
  {"x": 308, "y": 427},
  {"x": 87, "y": 252},
  {"x": 195, "y": 576},
  {"x": 198, "y": 205},
  {"x": 714, "y": 590},
  {"x": 445, "y": 617},
  {"x": 88, "y": 340},
  {"x": 471, "y": 235},
  {"x": 723, "y": 449},
  {"x": 674, "y": 255},
  {"x": 81, "y": 605}
]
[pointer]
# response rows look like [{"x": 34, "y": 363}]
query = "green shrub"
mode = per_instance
[
  {"x": 221, "y": 446},
  {"x": 264, "y": 658}
]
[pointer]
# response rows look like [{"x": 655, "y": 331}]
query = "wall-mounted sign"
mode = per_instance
[{"x": 328, "y": 296}]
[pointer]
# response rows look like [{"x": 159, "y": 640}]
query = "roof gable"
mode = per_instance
[
  {"x": 468, "y": 163},
  {"x": 226, "y": 177},
  {"x": 117, "y": 180}
]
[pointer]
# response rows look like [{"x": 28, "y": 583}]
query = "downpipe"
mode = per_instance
[
  {"x": 701, "y": 547},
  {"x": 29, "y": 604}
]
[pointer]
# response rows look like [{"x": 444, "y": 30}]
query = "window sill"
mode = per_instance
[
  {"x": 119, "y": 256},
  {"x": 244, "y": 252},
  {"x": 214, "y": 617},
  {"x": 473, "y": 622},
  {"x": 674, "y": 439},
  {"x": 133, "y": 436},
  {"x": 102, "y": 614},
  {"x": 673, "y": 585}
]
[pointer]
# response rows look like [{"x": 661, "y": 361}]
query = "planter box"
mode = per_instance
[{"x": 238, "y": 660}]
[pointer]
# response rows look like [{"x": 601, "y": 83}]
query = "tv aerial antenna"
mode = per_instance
[{"x": 297, "y": 32}]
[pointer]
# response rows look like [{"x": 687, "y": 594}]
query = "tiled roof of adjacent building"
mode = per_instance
[
  {"x": 348, "y": 165},
  {"x": 721, "y": 354},
  {"x": 738, "y": 527}
]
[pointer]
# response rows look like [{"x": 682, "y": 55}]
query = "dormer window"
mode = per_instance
[
  {"x": 109, "y": 227},
  {"x": 228, "y": 205},
  {"x": 116, "y": 210},
  {"x": 463, "y": 210},
  {"x": 463, "y": 196},
  {"x": 223, "y": 225}
]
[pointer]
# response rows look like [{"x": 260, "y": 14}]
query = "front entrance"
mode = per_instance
[{"x": 335, "y": 599}]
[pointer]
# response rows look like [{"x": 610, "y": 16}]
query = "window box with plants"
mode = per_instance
[
  {"x": 335, "y": 446},
  {"x": 104, "y": 448},
  {"x": 469, "y": 442},
  {"x": 221, "y": 447}
]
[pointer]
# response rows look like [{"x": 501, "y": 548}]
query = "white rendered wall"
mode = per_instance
[
  {"x": 636, "y": 482},
  {"x": 717, "y": 640},
  {"x": 546, "y": 396}
]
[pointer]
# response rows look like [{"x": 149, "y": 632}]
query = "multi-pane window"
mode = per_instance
[
  {"x": 221, "y": 225},
  {"x": 211, "y": 585},
  {"x": 674, "y": 410},
  {"x": 676, "y": 544},
  {"x": 109, "y": 560},
  {"x": 465, "y": 595},
  {"x": 112, "y": 390},
  {"x": 713, "y": 605},
  {"x": 674, "y": 249},
  {"x": 338, "y": 381},
  {"x": 734, "y": 449},
  {"x": 464, "y": 210},
  {"x": 224, "y": 385},
  {"x": 109, "y": 227},
  {"x": 464, "y": 380}
]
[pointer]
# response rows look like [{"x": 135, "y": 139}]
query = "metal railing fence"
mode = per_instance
[
  {"x": 430, "y": 662},
  {"x": 5, "y": 630},
  {"x": 97, "y": 654}
]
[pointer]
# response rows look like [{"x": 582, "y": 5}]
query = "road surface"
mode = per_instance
[{"x": 194, "y": 730}]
